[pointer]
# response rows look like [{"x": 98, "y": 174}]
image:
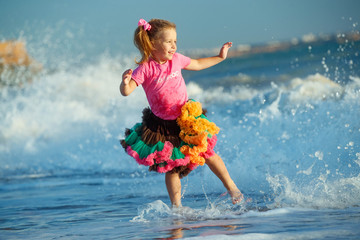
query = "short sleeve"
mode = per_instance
[
  {"x": 184, "y": 61},
  {"x": 139, "y": 75}
]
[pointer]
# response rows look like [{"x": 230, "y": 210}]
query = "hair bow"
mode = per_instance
[{"x": 144, "y": 23}]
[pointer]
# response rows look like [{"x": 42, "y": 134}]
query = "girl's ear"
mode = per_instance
[{"x": 153, "y": 42}]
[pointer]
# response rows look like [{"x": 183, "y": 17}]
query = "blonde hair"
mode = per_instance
[{"x": 143, "y": 39}]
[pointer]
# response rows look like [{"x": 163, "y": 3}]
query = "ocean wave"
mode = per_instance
[
  {"x": 73, "y": 118},
  {"x": 314, "y": 87}
]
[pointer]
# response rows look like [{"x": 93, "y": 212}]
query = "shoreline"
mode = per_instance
[{"x": 248, "y": 49}]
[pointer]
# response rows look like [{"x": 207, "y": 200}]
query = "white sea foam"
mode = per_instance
[
  {"x": 219, "y": 94},
  {"x": 314, "y": 87},
  {"x": 59, "y": 104},
  {"x": 321, "y": 192},
  {"x": 155, "y": 210},
  {"x": 158, "y": 211}
]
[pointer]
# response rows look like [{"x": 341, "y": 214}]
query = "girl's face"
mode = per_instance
[{"x": 164, "y": 46}]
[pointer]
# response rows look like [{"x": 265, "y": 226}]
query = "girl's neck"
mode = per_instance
[{"x": 158, "y": 61}]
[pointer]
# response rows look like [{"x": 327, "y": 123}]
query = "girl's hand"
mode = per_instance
[
  {"x": 224, "y": 50},
  {"x": 128, "y": 84},
  {"x": 202, "y": 63},
  {"x": 126, "y": 77}
]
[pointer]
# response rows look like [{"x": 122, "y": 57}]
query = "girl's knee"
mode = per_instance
[
  {"x": 212, "y": 159},
  {"x": 172, "y": 177}
]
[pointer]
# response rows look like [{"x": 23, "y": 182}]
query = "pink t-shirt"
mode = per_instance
[{"x": 164, "y": 85}]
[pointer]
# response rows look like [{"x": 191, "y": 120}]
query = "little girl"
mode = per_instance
[{"x": 175, "y": 136}]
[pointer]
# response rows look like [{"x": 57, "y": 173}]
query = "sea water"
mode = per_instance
[{"x": 290, "y": 138}]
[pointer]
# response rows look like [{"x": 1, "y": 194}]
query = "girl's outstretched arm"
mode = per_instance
[
  {"x": 202, "y": 63},
  {"x": 128, "y": 84}
]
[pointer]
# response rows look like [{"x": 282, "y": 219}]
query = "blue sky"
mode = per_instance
[{"x": 200, "y": 23}]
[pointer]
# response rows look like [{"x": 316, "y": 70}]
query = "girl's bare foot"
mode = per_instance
[{"x": 236, "y": 196}]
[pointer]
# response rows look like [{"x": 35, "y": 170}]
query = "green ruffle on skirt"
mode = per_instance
[{"x": 143, "y": 150}]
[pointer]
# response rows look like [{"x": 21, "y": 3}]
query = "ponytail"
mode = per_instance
[
  {"x": 143, "y": 38},
  {"x": 143, "y": 43}
]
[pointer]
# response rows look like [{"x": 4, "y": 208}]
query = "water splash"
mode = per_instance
[
  {"x": 219, "y": 209},
  {"x": 318, "y": 193}
]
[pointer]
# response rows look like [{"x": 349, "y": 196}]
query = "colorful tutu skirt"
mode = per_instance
[{"x": 172, "y": 145}]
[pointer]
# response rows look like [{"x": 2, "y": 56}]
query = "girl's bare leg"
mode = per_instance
[
  {"x": 173, "y": 185},
  {"x": 218, "y": 167}
]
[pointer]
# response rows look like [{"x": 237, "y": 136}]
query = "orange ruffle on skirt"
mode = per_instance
[{"x": 197, "y": 132}]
